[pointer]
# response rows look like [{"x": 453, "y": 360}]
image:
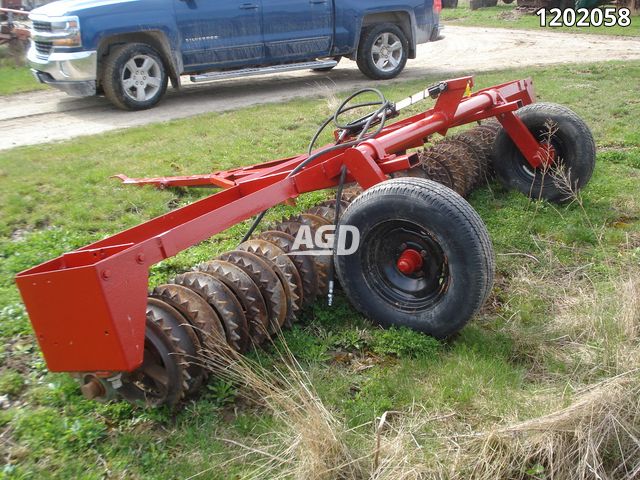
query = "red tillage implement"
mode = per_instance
[{"x": 90, "y": 308}]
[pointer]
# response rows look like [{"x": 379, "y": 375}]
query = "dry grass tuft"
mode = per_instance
[
  {"x": 595, "y": 437},
  {"x": 630, "y": 306},
  {"x": 598, "y": 329},
  {"x": 312, "y": 443},
  {"x": 397, "y": 453}
]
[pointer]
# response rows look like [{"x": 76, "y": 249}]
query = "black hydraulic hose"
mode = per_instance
[
  {"x": 336, "y": 222},
  {"x": 362, "y": 124},
  {"x": 254, "y": 225}
]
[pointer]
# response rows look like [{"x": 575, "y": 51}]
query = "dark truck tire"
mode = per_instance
[
  {"x": 456, "y": 277},
  {"x": 449, "y": 3},
  {"x": 134, "y": 77},
  {"x": 383, "y": 51},
  {"x": 575, "y": 154}
]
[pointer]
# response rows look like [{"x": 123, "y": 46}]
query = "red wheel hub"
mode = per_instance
[{"x": 410, "y": 261}]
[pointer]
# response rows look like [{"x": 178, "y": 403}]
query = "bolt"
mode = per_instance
[
  {"x": 423, "y": 253},
  {"x": 140, "y": 258},
  {"x": 403, "y": 246},
  {"x": 106, "y": 274}
]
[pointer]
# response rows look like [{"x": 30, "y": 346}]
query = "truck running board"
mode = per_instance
[{"x": 246, "y": 72}]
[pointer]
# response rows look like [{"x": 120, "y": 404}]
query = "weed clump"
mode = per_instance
[{"x": 404, "y": 343}]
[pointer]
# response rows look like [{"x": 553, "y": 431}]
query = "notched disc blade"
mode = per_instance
[
  {"x": 331, "y": 203},
  {"x": 328, "y": 213},
  {"x": 304, "y": 264},
  {"x": 179, "y": 331},
  {"x": 283, "y": 267},
  {"x": 224, "y": 302},
  {"x": 350, "y": 193},
  {"x": 432, "y": 163},
  {"x": 197, "y": 312},
  {"x": 456, "y": 158},
  {"x": 248, "y": 294},
  {"x": 162, "y": 377},
  {"x": 323, "y": 262},
  {"x": 267, "y": 281}
]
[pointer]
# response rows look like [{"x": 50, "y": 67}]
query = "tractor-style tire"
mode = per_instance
[
  {"x": 456, "y": 276},
  {"x": 574, "y": 160},
  {"x": 383, "y": 51},
  {"x": 134, "y": 77}
]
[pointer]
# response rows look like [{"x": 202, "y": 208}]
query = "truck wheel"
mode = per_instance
[
  {"x": 382, "y": 53},
  {"x": 425, "y": 260},
  {"x": 575, "y": 154},
  {"x": 134, "y": 77}
]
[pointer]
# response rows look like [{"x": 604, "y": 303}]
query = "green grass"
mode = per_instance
[
  {"x": 15, "y": 78},
  {"x": 506, "y": 16},
  {"x": 507, "y": 364}
]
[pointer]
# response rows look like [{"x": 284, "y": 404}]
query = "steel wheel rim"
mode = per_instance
[
  {"x": 141, "y": 78},
  {"x": 380, "y": 250},
  {"x": 386, "y": 52}
]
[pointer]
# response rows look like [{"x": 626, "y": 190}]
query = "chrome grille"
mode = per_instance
[
  {"x": 39, "y": 26},
  {"x": 43, "y": 48}
]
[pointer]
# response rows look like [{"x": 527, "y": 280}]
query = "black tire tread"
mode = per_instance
[
  {"x": 429, "y": 192},
  {"x": 503, "y": 144},
  {"x": 109, "y": 68},
  {"x": 362, "y": 56}
]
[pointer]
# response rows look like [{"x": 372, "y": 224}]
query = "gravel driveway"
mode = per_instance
[{"x": 47, "y": 116}]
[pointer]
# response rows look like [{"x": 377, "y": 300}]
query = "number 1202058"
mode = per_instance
[{"x": 583, "y": 17}]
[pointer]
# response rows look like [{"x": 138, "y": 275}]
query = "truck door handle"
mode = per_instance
[
  {"x": 248, "y": 6},
  {"x": 317, "y": 2}
]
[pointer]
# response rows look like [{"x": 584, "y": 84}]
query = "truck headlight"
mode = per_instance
[
  {"x": 69, "y": 30},
  {"x": 57, "y": 31}
]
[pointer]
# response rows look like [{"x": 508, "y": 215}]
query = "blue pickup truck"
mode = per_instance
[{"x": 130, "y": 49}]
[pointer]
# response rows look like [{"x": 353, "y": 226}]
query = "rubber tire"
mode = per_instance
[
  {"x": 327, "y": 69},
  {"x": 449, "y": 3},
  {"x": 579, "y": 155},
  {"x": 111, "y": 75},
  {"x": 458, "y": 230},
  {"x": 364, "y": 60}
]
